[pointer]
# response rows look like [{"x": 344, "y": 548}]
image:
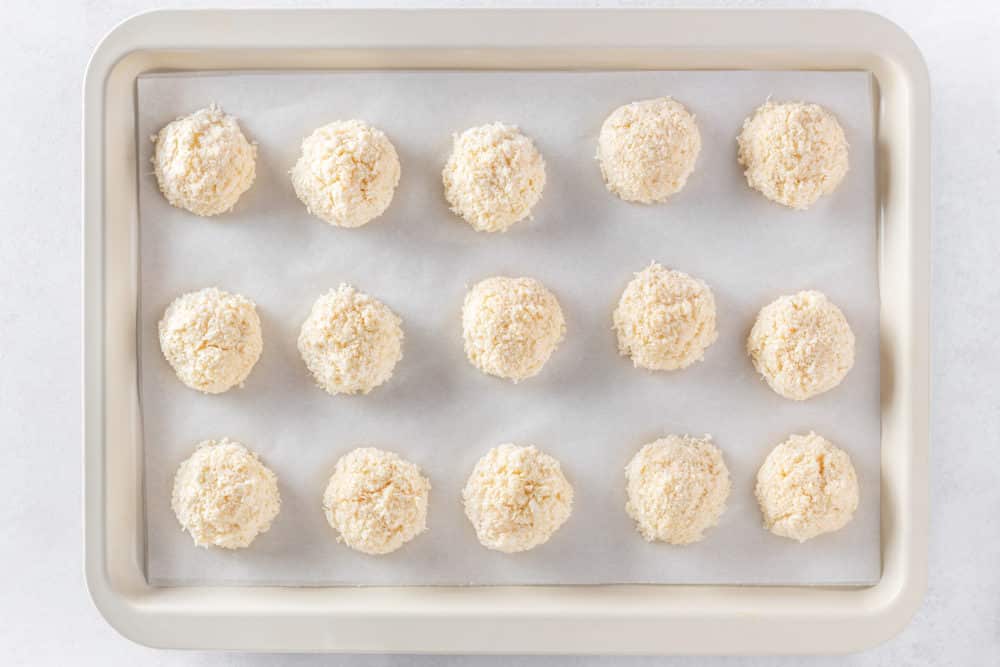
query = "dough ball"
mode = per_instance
[
  {"x": 347, "y": 173},
  {"x": 494, "y": 177},
  {"x": 516, "y": 498},
  {"x": 376, "y": 501},
  {"x": 802, "y": 345},
  {"x": 648, "y": 149},
  {"x": 351, "y": 341},
  {"x": 224, "y": 496},
  {"x": 511, "y": 326},
  {"x": 793, "y": 153},
  {"x": 211, "y": 339},
  {"x": 677, "y": 488},
  {"x": 203, "y": 163},
  {"x": 665, "y": 319},
  {"x": 806, "y": 487}
]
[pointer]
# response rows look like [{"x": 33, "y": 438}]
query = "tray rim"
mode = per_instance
[{"x": 509, "y": 619}]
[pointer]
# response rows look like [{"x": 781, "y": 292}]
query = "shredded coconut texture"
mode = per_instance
[
  {"x": 376, "y": 501},
  {"x": 351, "y": 342},
  {"x": 224, "y": 496},
  {"x": 806, "y": 487},
  {"x": 648, "y": 149},
  {"x": 516, "y": 498},
  {"x": 793, "y": 153},
  {"x": 665, "y": 319},
  {"x": 677, "y": 488},
  {"x": 494, "y": 177},
  {"x": 802, "y": 345},
  {"x": 211, "y": 339},
  {"x": 347, "y": 173},
  {"x": 203, "y": 163},
  {"x": 511, "y": 326}
]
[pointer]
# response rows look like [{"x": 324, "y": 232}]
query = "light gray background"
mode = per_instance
[
  {"x": 589, "y": 408},
  {"x": 47, "y": 616}
]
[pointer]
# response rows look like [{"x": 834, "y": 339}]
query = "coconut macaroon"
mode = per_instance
[
  {"x": 665, "y": 319},
  {"x": 351, "y": 341},
  {"x": 376, "y": 501},
  {"x": 224, "y": 496},
  {"x": 516, "y": 498},
  {"x": 802, "y": 345},
  {"x": 677, "y": 488},
  {"x": 648, "y": 149},
  {"x": 347, "y": 173},
  {"x": 511, "y": 326},
  {"x": 211, "y": 339},
  {"x": 203, "y": 163},
  {"x": 793, "y": 152},
  {"x": 806, "y": 487},
  {"x": 494, "y": 177}
]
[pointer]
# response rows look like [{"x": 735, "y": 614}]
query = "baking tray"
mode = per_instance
[{"x": 538, "y": 619}]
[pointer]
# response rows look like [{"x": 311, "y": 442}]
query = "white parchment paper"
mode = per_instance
[{"x": 589, "y": 407}]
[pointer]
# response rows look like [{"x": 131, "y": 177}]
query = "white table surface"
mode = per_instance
[{"x": 46, "y": 616}]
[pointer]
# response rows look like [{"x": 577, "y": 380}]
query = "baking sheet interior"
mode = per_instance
[{"x": 589, "y": 407}]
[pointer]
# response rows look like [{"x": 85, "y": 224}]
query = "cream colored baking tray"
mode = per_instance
[{"x": 537, "y": 619}]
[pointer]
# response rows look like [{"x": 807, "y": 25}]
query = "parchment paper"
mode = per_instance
[{"x": 589, "y": 407}]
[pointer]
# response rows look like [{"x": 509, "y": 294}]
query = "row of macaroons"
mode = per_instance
[
  {"x": 665, "y": 320},
  {"x": 793, "y": 153},
  {"x": 517, "y": 497}
]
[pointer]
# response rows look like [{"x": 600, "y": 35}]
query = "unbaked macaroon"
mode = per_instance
[
  {"x": 351, "y": 341},
  {"x": 648, "y": 149},
  {"x": 223, "y": 496},
  {"x": 677, "y": 488},
  {"x": 376, "y": 501},
  {"x": 806, "y": 487},
  {"x": 802, "y": 345},
  {"x": 347, "y": 173},
  {"x": 793, "y": 153},
  {"x": 665, "y": 319},
  {"x": 494, "y": 177},
  {"x": 511, "y": 326},
  {"x": 203, "y": 163},
  {"x": 516, "y": 498},
  {"x": 211, "y": 339}
]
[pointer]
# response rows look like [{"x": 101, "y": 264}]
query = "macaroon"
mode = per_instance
[
  {"x": 802, "y": 345},
  {"x": 806, "y": 487},
  {"x": 494, "y": 177},
  {"x": 648, "y": 149},
  {"x": 793, "y": 153},
  {"x": 347, "y": 173},
  {"x": 203, "y": 162},
  {"x": 211, "y": 338},
  {"x": 511, "y": 326},
  {"x": 516, "y": 498},
  {"x": 665, "y": 319},
  {"x": 223, "y": 496},
  {"x": 677, "y": 488},
  {"x": 376, "y": 500},
  {"x": 350, "y": 342}
]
